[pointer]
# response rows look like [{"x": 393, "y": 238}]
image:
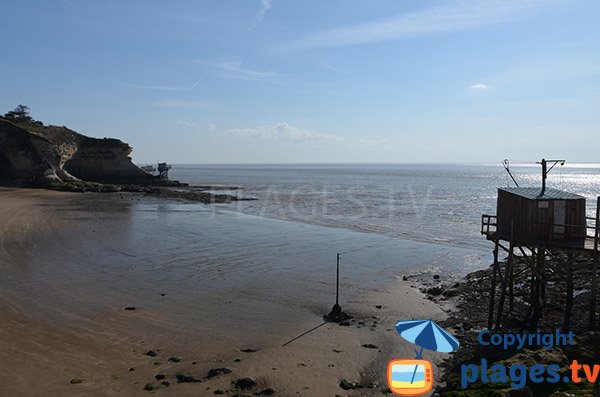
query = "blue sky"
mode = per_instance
[{"x": 282, "y": 81}]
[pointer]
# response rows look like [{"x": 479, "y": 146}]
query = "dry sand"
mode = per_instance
[{"x": 64, "y": 321}]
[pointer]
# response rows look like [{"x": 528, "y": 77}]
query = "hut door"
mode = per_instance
[{"x": 559, "y": 219}]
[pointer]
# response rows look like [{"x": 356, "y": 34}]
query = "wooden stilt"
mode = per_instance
[
  {"x": 537, "y": 306},
  {"x": 495, "y": 270},
  {"x": 569, "y": 297},
  {"x": 507, "y": 271},
  {"x": 511, "y": 279},
  {"x": 504, "y": 284},
  {"x": 594, "y": 271},
  {"x": 592, "y": 324},
  {"x": 543, "y": 279}
]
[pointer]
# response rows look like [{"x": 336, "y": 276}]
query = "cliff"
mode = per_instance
[{"x": 34, "y": 154}]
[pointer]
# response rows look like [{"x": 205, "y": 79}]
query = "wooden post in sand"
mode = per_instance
[
  {"x": 337, "y": 282},
  {"x": 336, "y": 314}
]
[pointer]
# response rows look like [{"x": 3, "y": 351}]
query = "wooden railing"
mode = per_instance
[
  {"x": 487, "y": 222},
  {"x": 591, "y": 229}
]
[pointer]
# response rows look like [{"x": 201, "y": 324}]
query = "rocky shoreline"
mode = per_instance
[
  {"x": 166, "y": 189},
  {"x": 467, "y": 304}
]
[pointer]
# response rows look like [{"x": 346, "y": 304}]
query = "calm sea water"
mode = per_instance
[{"x": 436, "y": 203}]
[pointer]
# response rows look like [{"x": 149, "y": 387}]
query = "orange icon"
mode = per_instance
[{"x": 410, "y": 377}]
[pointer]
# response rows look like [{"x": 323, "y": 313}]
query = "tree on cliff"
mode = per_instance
[{"x": 19, "y": 114}]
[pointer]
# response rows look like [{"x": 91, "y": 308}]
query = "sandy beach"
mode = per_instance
[{"x": 72, "y": 263}]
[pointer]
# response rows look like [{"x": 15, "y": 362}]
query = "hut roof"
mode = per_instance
[{"x": 535, "y": 193}]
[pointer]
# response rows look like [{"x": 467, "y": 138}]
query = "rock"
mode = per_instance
[
  {"x": 159, "y": 376},
  {"x": 248, "y": 350},
  {"x": 266, "y": 392},
  {"x": 245, "y": 383},
  {"x": 149, "y": 387},
  {"x": 524, "y": 392},
  {"x": 451, "y": 293},
  {"x": 130, "y": 308},
  {"x": 217, "y": 371},
  {"x": 76, "y": 381},
  {"x": 378, "y": 306},
  {"x": 186, "y": 379},
  {"x": 151, "y": 353},
  {"x": 347, "y": 385},
  {"x": 370, "y": 346},
  {"x": 435, "y": 291},
  {"x": 336, "y": 315},
  {"x": 131, "y": 369},
  {"x": 174, "y": 359},
  {"x": 436, "y": 276},
  {"x": 404, "y": 278},
  {"x": 166, "y": 383},
  {"x": 28, "y": 150},
  {"x": 218, "y": 391}
]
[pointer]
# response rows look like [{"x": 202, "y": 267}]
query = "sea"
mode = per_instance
[{"x": 432, "y": 203}]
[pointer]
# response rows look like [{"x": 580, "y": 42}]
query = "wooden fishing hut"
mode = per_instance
[
  {"x": 538, "y": 222},
  {"x": 536, "y": 214}
]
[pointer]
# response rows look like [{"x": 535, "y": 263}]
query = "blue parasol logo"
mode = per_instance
[{"x": 408, "y": 377}]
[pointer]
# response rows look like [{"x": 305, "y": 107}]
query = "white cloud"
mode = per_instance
[
  {"x": 186, "y": 123},
  {"x": 197, "y": 126},
  {"x": 265, "y": 6},
  {"x": 283, "y": 131},
  {"x": 235, "y": 70},
  {"x": 185, "y": 104},
  {"x": 480, "y": 87},
  {"x": 462, "y": 15}
]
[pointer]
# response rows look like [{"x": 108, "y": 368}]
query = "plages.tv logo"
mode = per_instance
[{"x": 413, "y": 377}]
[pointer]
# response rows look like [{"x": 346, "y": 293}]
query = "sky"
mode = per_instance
[{"x": 283, "y": 81}]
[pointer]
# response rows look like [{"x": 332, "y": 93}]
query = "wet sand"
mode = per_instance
[{"x": 206, "y": 284}]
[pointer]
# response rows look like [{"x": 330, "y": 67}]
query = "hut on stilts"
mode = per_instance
[{"x": 536, "y": 223}]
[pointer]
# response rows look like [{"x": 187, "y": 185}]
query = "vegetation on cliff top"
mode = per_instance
[{"x": 20, "y": 116}]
